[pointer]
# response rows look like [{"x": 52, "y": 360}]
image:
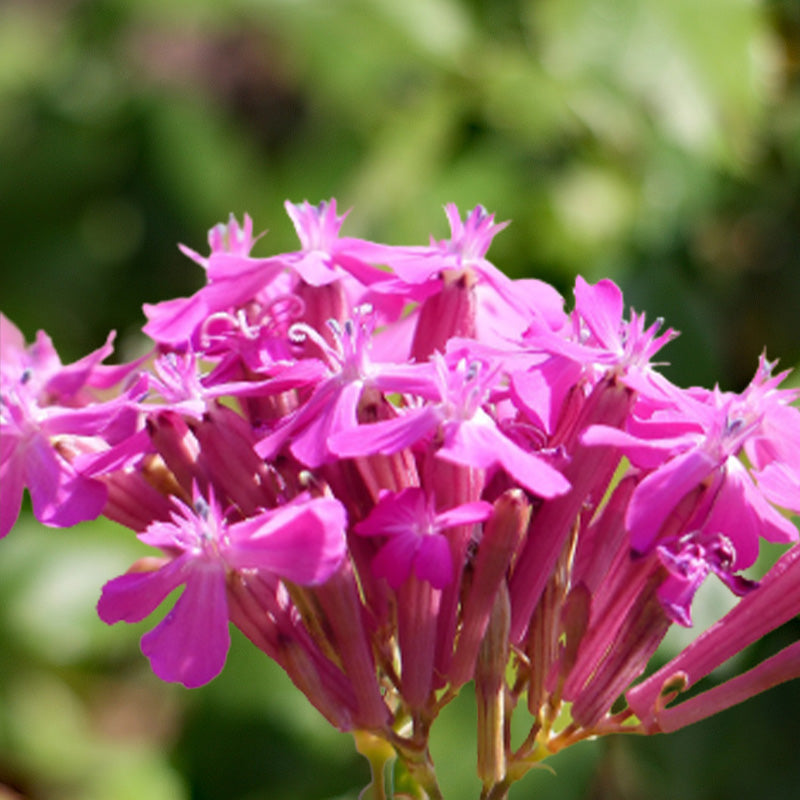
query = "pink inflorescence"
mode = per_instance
[{"x": 397, "y": 470}]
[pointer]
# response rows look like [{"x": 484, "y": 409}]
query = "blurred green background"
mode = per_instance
[{"x": 653, "y": 141}]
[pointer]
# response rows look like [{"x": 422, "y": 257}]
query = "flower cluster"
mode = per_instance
[{"x": 397, "y": 470}]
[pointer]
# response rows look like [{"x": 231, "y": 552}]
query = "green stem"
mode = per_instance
[
  {"x": 378, "y": 753},
  {"x": 416, "y": 759},
  {"x": 497, "y": 792}
]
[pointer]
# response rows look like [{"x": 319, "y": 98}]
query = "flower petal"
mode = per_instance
[
  {"x": 12, "y": 483},
  {"x": 388, "y": 436},
  {"x": 780, "y": 485},
  {"x": 465, "y": 514},
  {"x": 395, "y": 513},
  {"x": 477, "y": 444},
  {"x": 395, "y": 558},
  {"x": 660, "y": 491},
  {"x": 302, "y": 542},
  {"x": 601, "y": 307},
  {"x": 433, "y": 561},
  {"x": 190, "y": 644},
  {"x": 61, "y": 497},
  {"x": 135, "y": 595}
]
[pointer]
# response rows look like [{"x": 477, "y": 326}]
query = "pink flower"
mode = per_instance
[
  {"x": 325, "y": 255},
  {"x": 47, "y": 413},
  {"x": 470, "y": 436},
  {"x": 600, "y": 339},
  {"x": 706, "y": 433},
  {"x": 464, "y": 250},
  {"x": 689, "y": 560},
  {"x": 332, "y": 408},
  {"x": 416, "y": 540},
  {"x": 504, "y": 307},
  {"x": 233, "y": 238},
  {"x": 38, "y": 368},
  {"x": 233, "y": 279},
  {"x": 178, "y": 380},
  {"x": 61, "y": 495},
  {"x": 302, "y": 541}
]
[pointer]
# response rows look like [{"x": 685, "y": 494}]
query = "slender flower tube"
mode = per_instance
[
  {"x": 339, "y": 599},
  {"x": 589, "y": 471},
  {"x": 775, "y": 602},
  {"x": 501, "y": 537},
  {"x": 777, "y": 669}
]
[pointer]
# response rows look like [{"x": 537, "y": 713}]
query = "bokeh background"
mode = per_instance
[{"x": 656, "y": 142}]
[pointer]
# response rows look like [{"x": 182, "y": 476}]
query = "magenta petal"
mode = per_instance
[
  {"x": 781, "y": 439},
  {"x": 135, "y": 595},
  {"x": 601, "y": 307},
  {"x": 12, "y": 483},
  {"x": 121, "y": 455},
  {"x": 434, "y": 562},
  {"x": 642, "y": 453},
  {"x": 734, "y": 518},
  {"x": 87, "y": 421},
  {"x": 780, "y": 485},
  {"x": 676, "y": 595},
  {"x": 78, "y": 499},
  {"x": 317, "y": 408},
  {"x": 12, "y": 343},
  {"x": 172, "y": 535},
  {"x": 43, "y": 356},
  {"x": 190, "y": 644},
  {"x": 316, "y": 268},
  {"x": 303, "y": 542},
  {"x": 465, "y": 514},
  {"x": 61, "y": 497},
  {"x": 415, "y": 379},
  {"x": 345, "y": 406},
  {"x": 542, "y": 298},
  {"x": 541, "y": 392},
  {"x": 69, "y": 380},
  {"x": 243, "y": 270},
  {"x": 395, "y": 513},
  {"x": 394, "y": 559},
  {"x": 774, "y": 526},
  {"x": 10, "y": 442},
  {"x": 480, "y": 444},
  {"x": 232, "y": 292},
  {"x": 339, "y": 413},
  {"x": 658, "y": 494},
  {"x": 174, "y": 321},
  {"x": 310, "y": 445},
  {"x": 361, "y": 271},
  {"x": 45, "y": 473},
  {"x": 387, "y": 436},
  {"x": 532, "y": 393}
]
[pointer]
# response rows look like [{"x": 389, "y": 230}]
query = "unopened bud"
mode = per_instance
[{"x": 490, "y": 687}]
